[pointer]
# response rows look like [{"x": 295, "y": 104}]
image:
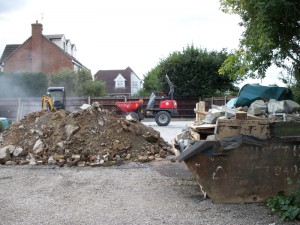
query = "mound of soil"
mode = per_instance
[{"x": 91, "y": 137}]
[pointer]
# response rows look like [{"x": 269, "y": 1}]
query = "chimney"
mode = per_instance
[
  {"x": 37, "y": 28},
  {"x": 36, "y": 47}
]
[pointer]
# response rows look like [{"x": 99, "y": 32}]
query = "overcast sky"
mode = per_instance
[{"x": 114, "y": 34}]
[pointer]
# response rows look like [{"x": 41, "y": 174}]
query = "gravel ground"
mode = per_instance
[{"x": 156, "y": 193}]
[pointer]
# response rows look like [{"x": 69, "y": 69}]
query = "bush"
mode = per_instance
[{"x": 287, "y": 207}]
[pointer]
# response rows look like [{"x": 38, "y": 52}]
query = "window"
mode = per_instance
[
  {"x": 120, "y": 81},
  {"x": 120, "y": 84},
  {"x": 134, "y": 84}
]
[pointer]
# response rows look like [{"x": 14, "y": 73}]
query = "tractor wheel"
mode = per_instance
[{"x": 162, "y": 118}]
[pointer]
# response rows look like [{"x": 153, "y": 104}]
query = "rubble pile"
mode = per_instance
[
  {"x": 273, "y": 110},
  {"x": 222, "y": 122},
  {"x": 91, "y": 137}
]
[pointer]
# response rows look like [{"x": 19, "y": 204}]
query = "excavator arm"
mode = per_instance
[{"x": 47, "y": 103}]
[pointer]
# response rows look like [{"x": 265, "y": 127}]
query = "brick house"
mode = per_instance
[
  {"x": 119, "y": 82},
  {"x": 40, "y": 53}
]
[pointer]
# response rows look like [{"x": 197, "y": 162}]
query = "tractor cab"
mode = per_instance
[{"x": 58, "y": 97}]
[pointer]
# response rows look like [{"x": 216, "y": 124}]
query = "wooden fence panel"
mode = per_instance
[{"x": 17, "y": 108}]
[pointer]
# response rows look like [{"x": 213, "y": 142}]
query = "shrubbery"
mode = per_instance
[{"x": 287, "y": 207}]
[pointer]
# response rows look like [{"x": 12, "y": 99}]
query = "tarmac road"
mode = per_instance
[
  {"x": 156, "y": 193},
  {"x": 169, "y": 132}
]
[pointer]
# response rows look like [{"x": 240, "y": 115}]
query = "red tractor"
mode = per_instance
[{"x": 162, "y": 114}]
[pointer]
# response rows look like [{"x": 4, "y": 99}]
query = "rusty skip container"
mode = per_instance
[
  {"x": 245, "y": 151},
  {"x": 246, "y": 168}
]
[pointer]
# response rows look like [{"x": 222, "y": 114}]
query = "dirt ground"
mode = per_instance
[{"x": 132, "y": 193}]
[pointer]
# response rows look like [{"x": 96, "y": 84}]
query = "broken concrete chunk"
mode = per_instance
[
  {"x": 96, "y": 164},
  {"x": 24, "y": 162},
  {"x": 96, "y": 105},
  {"x": 162, "y": 154},
  {"x": 60, "y": 144},
  {"x": 9, "y": 163},
  {"x": 17, "y": 151},
  {"x": 128, "y": 157},
  {"x": 58, "y": 156},
  {"x": 85, "y": 106},
  {"x": 255, "y": 112},
  {"x": 71, "y": 130},
  {"x": 275, "y": 106},
  {"x": 11, "y": 148},
  {"x": 285, "y": 106},
  {"x": 81, "y": 163},
  {"x": 152, "y": 137},
  {"x": 75, "y": 156},
  {"x": 38, "y": 146},
  {"x": 4, "y": 153},
  {"x": 101, "y": 123},
  {"x": 51, "y": 160},
  {"x": 257, "y": 107},
  {"x": 32, "y": 161},
  {"x": 132, "y": 117},
  {"x": 292, "y": 106},
  {"x": 212, "y": 116},
  {"x": 143, "y": 158}
]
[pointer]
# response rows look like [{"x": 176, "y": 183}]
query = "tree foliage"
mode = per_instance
[
  {"x": 23, "y": 84},
  {"x": 193, "y": 71},
  {"x": 78, "y": 83},
  {"x": 93, "y": 88},
  {"x": 64, "y": 78},
  {"x": 151, "y": 82},
  {"x": 272, "y": 36}
]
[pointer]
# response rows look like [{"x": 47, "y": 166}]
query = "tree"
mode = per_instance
[
  {"x": 85, "y": 86},
  {"x": 78, "y": 83},
  {"x": 272, "y": 36},
  {"x": 193, "y": 71},
  {"x": 151, "y": 82},
  {"x": 64, "y": 78},
  {"x": 93, "y": 88}
]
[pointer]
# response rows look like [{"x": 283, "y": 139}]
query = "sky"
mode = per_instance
[{"x": 115, "y": 34}]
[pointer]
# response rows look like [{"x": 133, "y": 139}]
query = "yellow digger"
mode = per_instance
[{"x": 55, "y": 99}]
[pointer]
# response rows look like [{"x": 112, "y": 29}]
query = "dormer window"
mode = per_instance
[
  {"x": 119, "y": 81},
  {"x": 120, "y": 84}
]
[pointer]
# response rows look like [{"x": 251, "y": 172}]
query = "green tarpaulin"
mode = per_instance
[{"x": 250, "y": 92}]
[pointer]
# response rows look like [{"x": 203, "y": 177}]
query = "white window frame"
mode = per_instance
[
  {"x": 120, "y": 84},
  {"x": 120, "y": 81}
]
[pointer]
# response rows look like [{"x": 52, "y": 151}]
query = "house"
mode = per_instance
[
  {"x": 40, "y": 53},
  {"x": 119, "y": 82}
]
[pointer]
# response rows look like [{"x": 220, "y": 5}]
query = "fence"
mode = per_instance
[{"x": 16, "y": 108}]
